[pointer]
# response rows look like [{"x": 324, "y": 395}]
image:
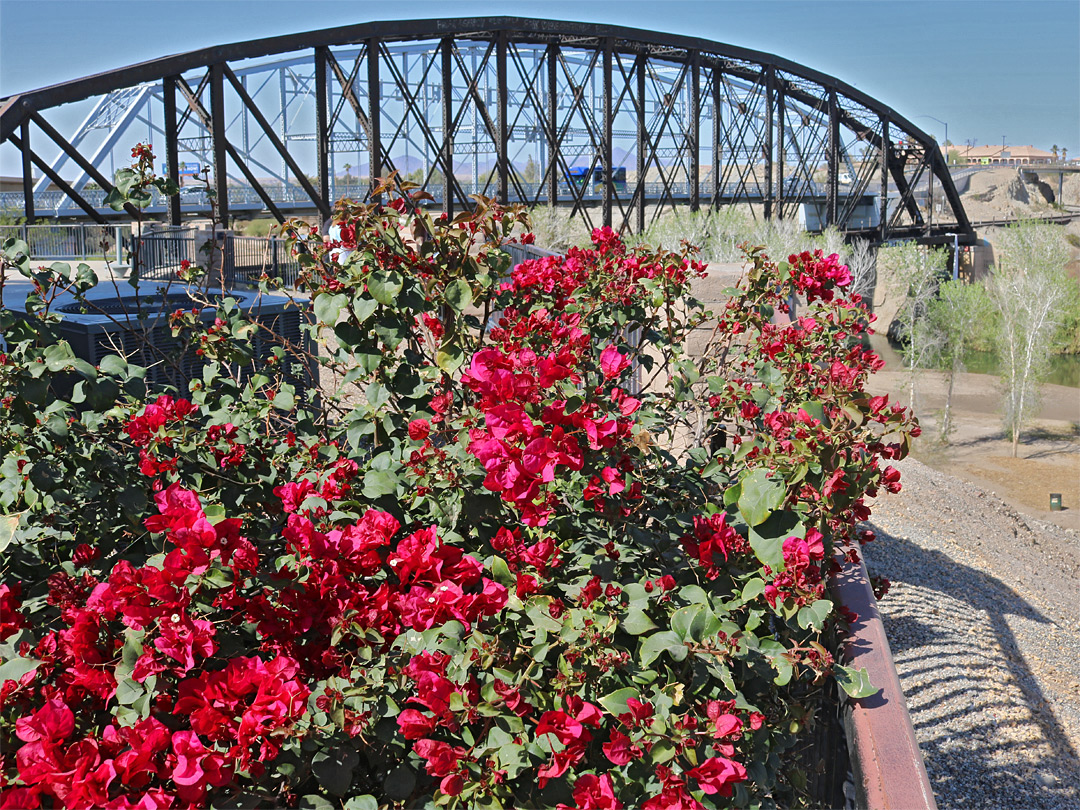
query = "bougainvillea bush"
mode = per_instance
[{"x": 524, "y": 551}]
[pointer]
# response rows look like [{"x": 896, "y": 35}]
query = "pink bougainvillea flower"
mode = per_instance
[
  {"x": 718, "y": 775},
  {"x": 613, "y": 362},
  {"x": 593, "y": 792}
]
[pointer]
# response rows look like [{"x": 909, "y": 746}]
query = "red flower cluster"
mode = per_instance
[
  {"x": 711, "y": 538},
  {"x": 151, "y": 431},
  {"x": 815, "y": 274},
  {"x": 801, "y": 578},
  {"x": 571, "y": 728},
  {"x": 222, "y": 721}
]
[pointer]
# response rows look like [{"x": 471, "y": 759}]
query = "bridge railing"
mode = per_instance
[{"x": 56, "y": 203}]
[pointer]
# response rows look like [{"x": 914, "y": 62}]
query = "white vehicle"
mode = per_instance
[{"x": 846, "y": 178}]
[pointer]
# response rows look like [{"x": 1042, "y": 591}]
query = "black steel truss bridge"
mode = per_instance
[{"x": 617, "y": 124}]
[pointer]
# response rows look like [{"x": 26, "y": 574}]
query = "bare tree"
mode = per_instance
[
  {"x": 917, "y": 271},
  {"x": 863, "y": 266},
  {"x": 958, "y": 318},
  {"x": 1027, "y": 291}
]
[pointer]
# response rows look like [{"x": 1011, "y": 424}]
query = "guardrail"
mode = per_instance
[
  {"x": 888, "y": 767},
  {"x": 245, "y": 258},
  {"x": 70, "y": 241}
]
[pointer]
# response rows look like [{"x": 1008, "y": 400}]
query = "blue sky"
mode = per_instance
[{"x": 988, "y": 69}]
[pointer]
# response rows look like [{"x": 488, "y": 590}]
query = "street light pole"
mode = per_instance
[{"x": 944, "y": 124}]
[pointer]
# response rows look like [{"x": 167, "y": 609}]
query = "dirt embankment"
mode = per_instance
[{"x": 1048, "y": 460}]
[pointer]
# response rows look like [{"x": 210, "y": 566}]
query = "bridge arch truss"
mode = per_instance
[{"x": 617, "y": 124}]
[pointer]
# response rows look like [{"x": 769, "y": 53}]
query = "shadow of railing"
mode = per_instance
[{"x": 988, "y": 735}]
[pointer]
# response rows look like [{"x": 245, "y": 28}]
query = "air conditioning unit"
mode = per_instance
[{"x": 117, "y": 324}]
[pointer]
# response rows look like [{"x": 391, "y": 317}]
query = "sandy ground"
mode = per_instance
[{"x": 1048, "y": 459}]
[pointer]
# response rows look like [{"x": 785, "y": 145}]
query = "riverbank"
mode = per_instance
[{"x": 978, "y": 451}]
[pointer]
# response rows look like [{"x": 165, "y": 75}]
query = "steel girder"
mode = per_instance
[{"x": 532, "y": 111}]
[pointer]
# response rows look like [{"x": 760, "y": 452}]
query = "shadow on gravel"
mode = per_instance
[{"x": 986, "y": 731}]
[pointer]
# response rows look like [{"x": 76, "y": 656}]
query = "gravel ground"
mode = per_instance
[{"x": 984, "y": 623}]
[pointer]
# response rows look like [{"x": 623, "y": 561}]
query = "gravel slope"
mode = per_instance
[{"x": 984, "y": 623}]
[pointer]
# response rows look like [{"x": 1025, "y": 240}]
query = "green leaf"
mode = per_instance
[
  {"x": 85, "y": 277},
  {"x": 313, "y": 801},
  {"x": 767, "y": 539},
  {"x": 753, "y": 589},
  {"x": 458, "y": 294},
  {"x": 694, "y": 594},
  {"x": 17, "y": 667},
  {"x": 814, "y": 615},
  {"x": 856, "y": 682},
  {"x": 284, "y": 399},
  {"x": 384, "y": 286},
  {"x": 8, "y": 525},
  {"x": 328, "y": 307},
  {"x": 128, "y": 691},
  {"x": 400, "y": 783},
  {"x": 661, "y": 752},
  {"x": 657, "y": 643},
  {"x": 760, "y": 496},
  {"x": 688, "y": 623},
  {"x": 615, "y": 702},
  {"x": 125, "y": 180},
  {"x": 501, "y": 573},
  {"x": 637, "y": 622},
  {"x": 450, "y": 356},
  {"x": 363, "y": 307},
  {"x": 815, "y": 409},
  {"x": 365, "y": 802},
  {"x": 377, "y": 395},
  {"x": 58, "y": 356},
  {"x": 334, "y": 768},
  {"x": 379, "y": 482},
  {"x": 115, "y": 200},
  {"x": 784, "y": 670}
]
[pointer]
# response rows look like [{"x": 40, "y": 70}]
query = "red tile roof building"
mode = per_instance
[{"x": 999, "y": 155}]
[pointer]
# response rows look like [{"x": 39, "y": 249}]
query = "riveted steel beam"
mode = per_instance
[
  {"x": 503, "y": 134},
  {"x": 172, "y": 151},
  {"x": 694, "y": 136},
  {"x": 606, "y": 145},
  {"x": 447, "y": 48},
  {"x": 374, "y": 112},
  {"x": 52, "y": 175},
  {"x": 27, "y": 173},
  {"x": 322, "y": 129}
]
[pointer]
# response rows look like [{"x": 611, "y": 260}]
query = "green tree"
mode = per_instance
[
  {"x": 531, "y": 172},
  {"x": 418, "y": 176},
  {"x": 1027, "y": 290},
  {"x": 11, "y": 216}
]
